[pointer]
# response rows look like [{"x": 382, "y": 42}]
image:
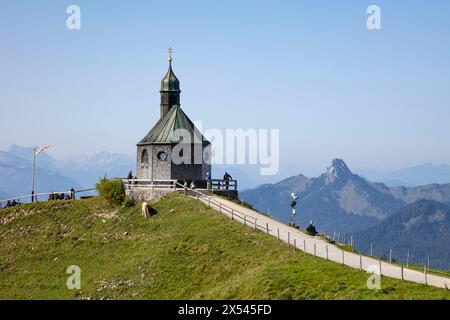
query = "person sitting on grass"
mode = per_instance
[{"x": 311, "y": 229}]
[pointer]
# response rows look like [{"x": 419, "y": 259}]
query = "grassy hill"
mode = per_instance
[{"x": 185, "y": 251}]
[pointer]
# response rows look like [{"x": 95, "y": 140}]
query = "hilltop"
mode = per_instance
[{"x": 184, "y": 251}]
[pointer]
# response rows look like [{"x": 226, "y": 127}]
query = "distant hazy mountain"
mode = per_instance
[
  {"x": 44, "y": 160},
  {"x": 339, "y": 200},
  {"x": 414, "y": 176},
  {"x": 15, "y": 177},
  {"x": 84, "y": 169},
  {"x": 88, "y": 169},
  {"x": 422, "y": 227},
  {"x": 3, "y": 195}
]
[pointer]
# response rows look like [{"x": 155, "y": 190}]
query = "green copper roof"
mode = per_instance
[
  {"x": 164, "y": 132},
  {"x": 170, "y": 81}
]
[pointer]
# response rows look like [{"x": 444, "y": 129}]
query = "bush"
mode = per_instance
[
  {"x": 128, "y": 202},
  {"x": 112, "y": 190}
]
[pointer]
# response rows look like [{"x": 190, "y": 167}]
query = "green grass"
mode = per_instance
[
  {"x": 349, "y": 248},
  {"x": 185, "y": 251}
]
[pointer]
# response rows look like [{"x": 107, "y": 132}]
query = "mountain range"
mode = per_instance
[
  {"x": 423, "y": 228},
  {"x": 16, "y": 176},
  {"x": 422, "y": 174},
  {"x": 339, "y": 200},
  {"x": 79, "y": 172}
]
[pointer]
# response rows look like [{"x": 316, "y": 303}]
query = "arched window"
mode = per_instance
[{"x": 144, "y": 157}]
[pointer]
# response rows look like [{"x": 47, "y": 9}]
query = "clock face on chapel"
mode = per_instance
[{"x": 162, "y": 156}]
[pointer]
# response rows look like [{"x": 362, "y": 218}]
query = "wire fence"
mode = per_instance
[
  {"x": 300, "y": 241},
  {"x": 66, "y": 195},
  {"x": 321, "y": 248}
]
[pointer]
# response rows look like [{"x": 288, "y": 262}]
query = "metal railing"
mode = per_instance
[
  {"x": 148, "y": 183},
  {"x": 220, "y": 184},
  {"x": 42, "y": 194},
  {"x": 232, "y": 213},
  {"x": 318, "y": 248},
  {"x": 212, "y": 185}
]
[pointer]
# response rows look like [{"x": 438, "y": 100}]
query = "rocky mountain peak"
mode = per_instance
[{"x": 337, "y": 170}]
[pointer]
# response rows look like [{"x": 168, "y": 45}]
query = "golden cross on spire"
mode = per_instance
[{"x": 170, "y": 51}]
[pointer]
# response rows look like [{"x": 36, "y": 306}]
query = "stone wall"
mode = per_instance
[
  {"x": 147, "y": 194},
  {"x": 155, "y": 168}
]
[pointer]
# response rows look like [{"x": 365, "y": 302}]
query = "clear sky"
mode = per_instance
[{"x": 310, "y": 68}]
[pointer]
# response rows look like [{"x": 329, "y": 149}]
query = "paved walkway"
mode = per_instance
[{"x": 317, "y": 246}]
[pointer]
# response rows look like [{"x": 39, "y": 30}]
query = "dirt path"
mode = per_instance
[{"x": 317, "y": 246}]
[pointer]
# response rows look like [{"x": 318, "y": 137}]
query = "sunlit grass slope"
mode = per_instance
[{"x": 184, "y": 251}]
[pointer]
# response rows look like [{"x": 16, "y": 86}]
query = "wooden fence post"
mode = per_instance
[
  {"x": 315, "y": 253},
  {"x": 407, "y": 258},
  {"x": 267, "y": 227},
  {"x": 232, "y": 214},
  {"x": 401, "y": 268},
  {"x": 245, "y": 220},
  {"x": 295, "y": 244},
  {"x": 426, "y": 274},
  {"x": 343, "y": 253},
  {"x": 326, "y": 250},
  {"x": 380, "y": 268},
  {"x": 278, "y": 233},
  {"x": 289, "y": 238},
  {"x": 256, "y": 223},
  {"x": 304, "y": 246},
  {"x": 360, "y": 262}
]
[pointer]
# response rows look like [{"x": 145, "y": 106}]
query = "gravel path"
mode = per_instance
[{"x": 317, "y": 246}]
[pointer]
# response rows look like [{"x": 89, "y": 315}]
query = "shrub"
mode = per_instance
[
  {"x": 128, "y": 202},
  {"x": 112, "y": 190}
]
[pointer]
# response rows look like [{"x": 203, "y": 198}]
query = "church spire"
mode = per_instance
[
  {"x": 170, "y": 55},
  {"x": 170, "y": 89}
]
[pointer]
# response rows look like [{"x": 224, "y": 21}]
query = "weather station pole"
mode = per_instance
[{"x": 293, "y": 207}]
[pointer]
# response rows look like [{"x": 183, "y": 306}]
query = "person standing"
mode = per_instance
[
  {"x": 227, "y": 177},
  {"x": 208, "y": 180},
  {"x": 129, "y": 177},
  {"x": 185, "y": 185}
]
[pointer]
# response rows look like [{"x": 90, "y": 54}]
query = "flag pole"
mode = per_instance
[{"x": 33, "y": 173}]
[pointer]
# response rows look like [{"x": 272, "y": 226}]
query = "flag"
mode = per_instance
[{"x": 42, "y": 149}]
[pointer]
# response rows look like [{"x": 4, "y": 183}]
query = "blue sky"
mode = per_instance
[{"x": 310, "y": 68}]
